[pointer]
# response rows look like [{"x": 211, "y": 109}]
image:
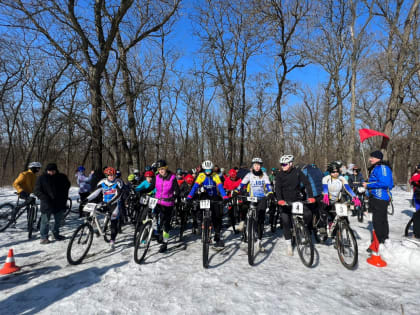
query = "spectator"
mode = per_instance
[
  {"x": 84, "y": 187},
  {"x": 52, "y": 188}
]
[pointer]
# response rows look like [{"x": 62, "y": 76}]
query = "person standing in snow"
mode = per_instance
[
  {"x": 84, "y": 187},
  {"x": 379, "y": 186},
  {"x": 415, "y": 182}
]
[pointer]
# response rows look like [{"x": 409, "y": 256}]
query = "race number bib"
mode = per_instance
[
  {"x": 341, "y": 209},
  {"x": 89, "y": 207},
  {"x": 152, "y": 203},
  {"x": 297, "y": 208},
  {"x": 144, "y": 200},
  {"x": 204, "y": 204}
]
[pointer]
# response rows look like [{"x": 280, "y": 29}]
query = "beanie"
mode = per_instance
[
  {"x": 51, "y": 167},
  {"x": 377, "y": 154}
]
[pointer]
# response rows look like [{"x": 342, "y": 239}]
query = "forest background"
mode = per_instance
[{"x": 127, "y": 82}]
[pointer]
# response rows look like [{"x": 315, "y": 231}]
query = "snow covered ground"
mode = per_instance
[{"x": 176, "y": 283}]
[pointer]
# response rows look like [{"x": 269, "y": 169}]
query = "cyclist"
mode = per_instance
[
  {"x": 333, "y": 185},
  {"x": 146, "y": 186},
  {"x": 288, "y": 189},
  {"x": 356, "y": 178},
  {"x": 415, "y": 182},
  {"x": 84, "y": 187},
  {"x": 166, "y": 190},
  {"x": 183, "y": 212},
  {"x": 260, "y": 187},
  {"x": 212, "y": 184},
  {"x": 111, "y": 189},
  {"x": 179, "y": 176},
  {"x": 231, "y": 183},
  {"x": 25, "y": 182}
]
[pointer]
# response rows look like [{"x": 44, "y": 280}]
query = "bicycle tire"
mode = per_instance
[
  {"x": 6, "y": 215},
  {"x": 304, "y": 244},
  {"x": 407, "y": 227},
  {"x": 360, "y": 214},
  {"x": 142, "y": 242},
  {"x": 251, "y": 241},
  {"x": 83, "y": 235},
  {"x": 344, "y": 237},
  {"x": 206, "y": 241},
  {"x": 107, "y": 230},
  {"x": 31, "y": 219},
  {"x": 315, "y": 230}
]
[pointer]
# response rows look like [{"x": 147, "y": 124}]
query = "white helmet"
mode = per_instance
[
  {"x": 207, "y": 165},
  {"x": 257, "y": 160},
  {"x": 286, "y": 159},
  {"x": 34, "y": 165}
]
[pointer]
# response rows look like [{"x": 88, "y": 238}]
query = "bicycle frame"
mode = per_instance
[{"x": 92, "y": 208}]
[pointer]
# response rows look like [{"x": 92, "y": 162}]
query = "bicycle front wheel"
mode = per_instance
[
  {"x": 107, "y": 230},
  {"x": 252, "y": 239},
  {"x": 142, "y": 242},
  {"x": 304, "y": 244},
  {"x": 6, "y": 215},
  {"x": 79, "y": 244},
  {"x": 32, "y": 213},
  {"x": 360, "y": 213},
  {"x": 206, "y": 242},
  {"x": 346, "y": 246}
]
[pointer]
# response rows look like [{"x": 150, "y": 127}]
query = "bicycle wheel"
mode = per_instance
[
  {"x": 346, "y": 245},
  {"x": 142, "y": 243},
  {"x": 107, "y": 229},
  {"x": 360, "y": 213},
  {"x": 206, "y": 242},
  {"x": 31, "y": 219},
  {"x": 252, "y": 238},
  {"x": 304, "y": 245},
  {"x": 6, "y": 215},
  {"x": 79, "y": 244}
]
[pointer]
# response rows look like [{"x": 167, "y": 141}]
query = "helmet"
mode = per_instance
[
  {"x": 189, "y": 179},
  {"x": 118, "y": 173},
  {"x": 34, "y": 165},
  {"x": 131, "y": 177},
  {"x": 136, "y": 171},
  {"x": 149, "y": 174},
  {"x": 161, "y": 163},
  {"x": 273, "y": 169},
  {"x": 110, "y": 171},
  {"x": 207, "y": 165},
  {"x": 356, "y": 168},
  {"x": 285, "y": 159},
  {"x": 257, "y": 160},
  {"x": 80, "y": 169},
  {"x": 333, "y": 166},
  {"x": 263, "y": 169},
  {"x": 179, "y": 171},
  {"x": 147, "y": 168},
  {"x": 233, "y": 173}
]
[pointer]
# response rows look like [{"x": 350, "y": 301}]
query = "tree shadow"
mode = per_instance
[
  {"x": 20, "y": 255},
  {"x": 408, "y": 212},
  {"x": 35, "y": 299}
]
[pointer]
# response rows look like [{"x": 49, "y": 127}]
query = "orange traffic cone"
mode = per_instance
[
  {"x": 9, "y": 266},
  {"x": 375, "y": 259}
]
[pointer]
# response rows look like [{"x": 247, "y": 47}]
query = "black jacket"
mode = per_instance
[
  {"x": 288, "y": 185},
  {"x": 53, "y": 191}
]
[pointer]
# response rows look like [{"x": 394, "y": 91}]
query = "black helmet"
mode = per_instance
[
  {"x": 333, "y": 166},
  {"x": 179, "y": 171},
  {"x": 161, "y": 163}
]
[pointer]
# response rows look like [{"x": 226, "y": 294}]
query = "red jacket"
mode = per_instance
[
  {"x": 230, "y": 185},
  {"x": 415, "y": 181}
]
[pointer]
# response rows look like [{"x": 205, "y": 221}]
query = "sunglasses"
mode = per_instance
[
  {"x": 335, "y": 172},
  {"x": 284, "y": 164}
]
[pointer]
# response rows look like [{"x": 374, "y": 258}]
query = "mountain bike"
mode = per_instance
[
  {"x": 81, "y": 239},
  {"x": 144, "y": 235},
  {"x": 345, "y": 241},
  {"x": 140, "y": 214},
  {"x": 252, "y": 228},
  {"x": 9, "y": 213},
  {"x": 301, "y": 235}
]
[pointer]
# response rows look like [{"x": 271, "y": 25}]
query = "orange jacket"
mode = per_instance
[{"x": 25, "y": 182}]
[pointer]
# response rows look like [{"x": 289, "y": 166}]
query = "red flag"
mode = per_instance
[{"x": 367, "y": 133}]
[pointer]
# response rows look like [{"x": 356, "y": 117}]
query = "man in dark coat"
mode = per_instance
[{"x": 52, "y": 188}]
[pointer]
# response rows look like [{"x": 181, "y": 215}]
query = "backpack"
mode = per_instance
[
  {"x": 315, "y": 176},
  {"x": 416, "y": 224}
]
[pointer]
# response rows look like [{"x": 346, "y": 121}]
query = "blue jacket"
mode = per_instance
[{"x": 380, "y": 182}]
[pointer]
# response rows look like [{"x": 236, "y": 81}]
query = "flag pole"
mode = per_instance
[{"x": 364, "y": 161}]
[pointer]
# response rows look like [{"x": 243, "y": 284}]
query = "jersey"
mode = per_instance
[
  {"x": 334, "y": 186},
  {"x": 259, "y": 186},
  {"x": 111, "y": 191},
  {"x": 211, "y": 184},
  {"x": 25, "y": 182}
]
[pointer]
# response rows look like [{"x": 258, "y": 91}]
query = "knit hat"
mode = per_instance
[
  {"x": 51, "y": 167},
  {"x": 377, "y": 154}
]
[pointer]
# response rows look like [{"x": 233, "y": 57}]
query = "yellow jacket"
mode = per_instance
[{"x": 25, "y": 182}]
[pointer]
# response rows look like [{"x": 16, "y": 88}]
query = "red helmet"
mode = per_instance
[
  {"x": 189, "y": 179},
  {"x": 149, "y": 174},
  {"x": 110, "y": 171},
  {"x": 233, "y": 173}
]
